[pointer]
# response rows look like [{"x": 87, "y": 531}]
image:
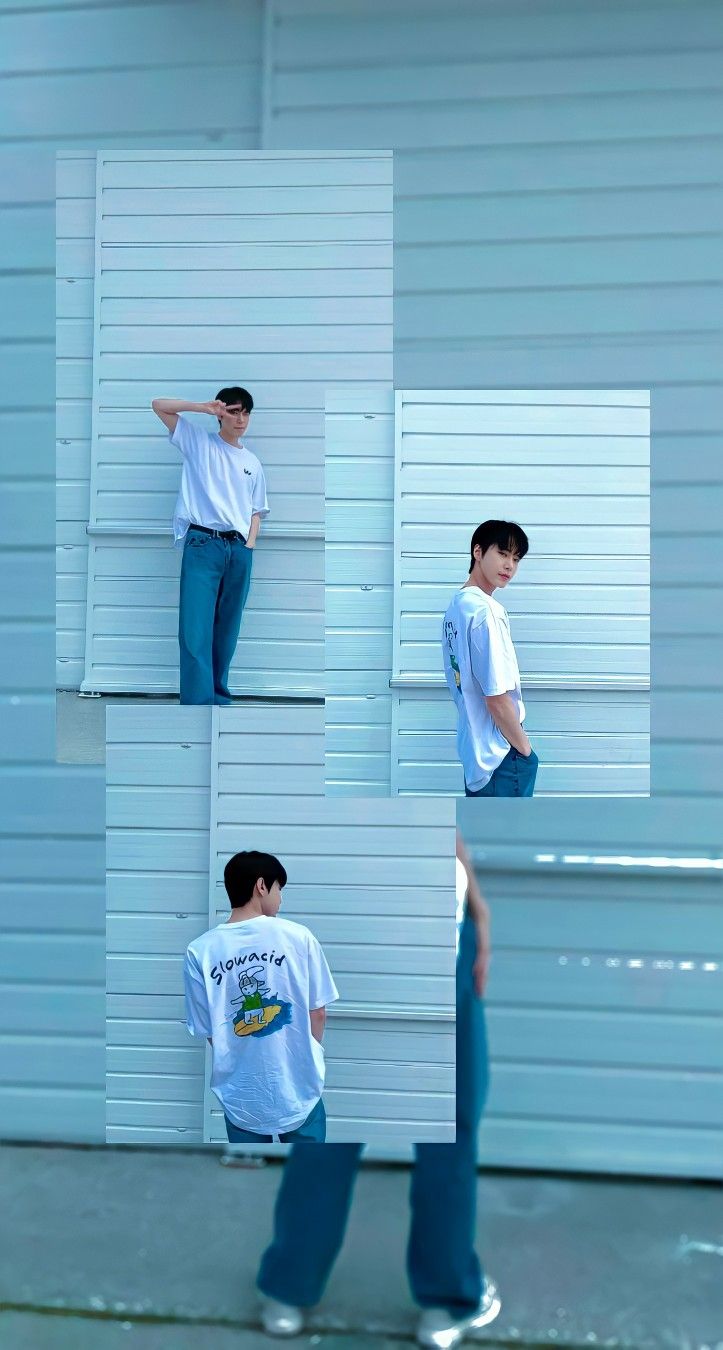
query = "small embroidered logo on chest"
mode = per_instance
[{"x": 248, "y": 471}]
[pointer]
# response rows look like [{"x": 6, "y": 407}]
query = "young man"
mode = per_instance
[
  {"x": 218, "y": 512},
  {"x": 257, "y": 987},
  {"x": 482, "y": 673},
  {"x": 312, "y": 1206}
]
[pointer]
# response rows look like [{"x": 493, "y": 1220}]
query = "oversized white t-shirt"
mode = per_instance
[
  {"x": 479, "y": 660},
  {"x": 250, "y": 986},
  {"x": 222, "y": 485}
]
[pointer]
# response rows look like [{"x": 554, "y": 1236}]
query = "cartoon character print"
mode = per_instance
[
  {"x": 449, "y": 632},
  {"x": 258, "y": 1014}
]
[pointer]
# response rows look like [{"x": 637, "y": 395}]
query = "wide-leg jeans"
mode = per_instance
[
  {"x": 215, "y": 580},
  {"x": 313, "y": 1202}
]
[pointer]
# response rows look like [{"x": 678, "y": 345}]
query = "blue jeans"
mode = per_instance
[
  {"x": 313, "y": 1202},
  {"x": 215, "y": 579},
  {"x": 514, "y": 777},
  {"x": 311, "y": 1130}
]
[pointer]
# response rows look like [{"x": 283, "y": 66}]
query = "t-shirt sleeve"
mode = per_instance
[
  {"x": 259, "y": 500},
  {"x": 198, "y": 1019},
  {"x": 188, "y": 437},
  {"x": 322, "y": 989},
  {"x": 489, "y": 660}
]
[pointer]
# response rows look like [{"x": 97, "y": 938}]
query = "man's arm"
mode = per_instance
[
  {"x": 503, "y": 714},
  {"x": 317, "y": 1017},
  {"x": 253, "y": 532},
  {"x": 169, "y": 408},
  {"x": 479, "y": 911}
]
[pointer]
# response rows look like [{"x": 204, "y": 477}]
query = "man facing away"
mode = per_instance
[
  {"x": 447, "y": 1281},
  {"x": 481, "y": 670},
  {"x": 257, "y": 987},
  {"x": 218, "y": 513}
]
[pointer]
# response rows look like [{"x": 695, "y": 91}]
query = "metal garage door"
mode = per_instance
[
  {"x": 214, "y": 268},
  {"x": 606, "y": 987},
  {"x": 375, "y": 881}
]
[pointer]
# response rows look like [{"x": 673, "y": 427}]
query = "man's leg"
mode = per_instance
[
  {"x": 201, "y": 572},
  {"x": 487, "y": 791},
  {"x": 313, "y": 1130},
  {"x": 229, "y": 609},
  {"x": 312, "y": 1208},
  {"x": 443, "y": 1266}
]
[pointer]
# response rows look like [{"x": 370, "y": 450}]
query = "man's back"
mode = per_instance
[{"x": 250, "y": 986}]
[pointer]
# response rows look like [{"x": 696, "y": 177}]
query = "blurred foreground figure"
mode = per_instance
[{"x": 312, "y": 1206}]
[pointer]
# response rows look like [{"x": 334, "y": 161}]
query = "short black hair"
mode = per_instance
[
  {"x": 235, "y": 394},
  {"x": 504, "y": 533},
  {"x": 243, "y": 871}
]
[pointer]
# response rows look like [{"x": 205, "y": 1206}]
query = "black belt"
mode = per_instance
[{"x": 218, "y": 534}]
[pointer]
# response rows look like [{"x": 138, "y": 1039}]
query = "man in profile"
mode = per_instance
[{"x": 481, "y": 670}]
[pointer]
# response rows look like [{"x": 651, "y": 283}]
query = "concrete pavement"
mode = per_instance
[{"x": 122, "y": 1234}]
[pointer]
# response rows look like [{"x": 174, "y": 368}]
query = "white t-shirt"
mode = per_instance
[
  {"x": 250, "y": 986},
  {"x": 222, "y": 485},
  {"x": 479, "y": 660},
  {"x": 461, "y": 896}
]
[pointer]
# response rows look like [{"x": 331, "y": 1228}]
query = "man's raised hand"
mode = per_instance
[{"x": 216, "y": 407}]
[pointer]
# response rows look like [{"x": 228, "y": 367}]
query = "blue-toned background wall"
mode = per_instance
[
  {"x": 74, "y": 75},
  {"x": 558, "y": 204}
]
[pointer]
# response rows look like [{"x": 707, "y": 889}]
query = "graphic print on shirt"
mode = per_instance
[
  {"x": 451, "y": 632},
  {"x": 258, "y": 1015}
]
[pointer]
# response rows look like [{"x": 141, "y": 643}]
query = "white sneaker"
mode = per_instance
[
  {"x": 281, "y": 1319},
  {"x": 437, "y": 1329}
]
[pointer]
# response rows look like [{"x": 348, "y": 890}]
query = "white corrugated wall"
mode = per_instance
[
  {"x": 184, "y": 793},
  {"x": 141, "y": 59},
  {"x": 281, "y": 280},
  {"x": 573, "y": 468}
]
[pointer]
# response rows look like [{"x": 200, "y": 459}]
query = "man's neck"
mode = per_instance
[
  {"x": 480, "y": 584},
  {"x": 252, "y": 910},
  {"x": 230, "y": 440}
]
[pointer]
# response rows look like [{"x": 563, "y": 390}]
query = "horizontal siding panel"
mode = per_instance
[
  {"x": 297, "y": 222},
  {"x": 165, "y": 885}
]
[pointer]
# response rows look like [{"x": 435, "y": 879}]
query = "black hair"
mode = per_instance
[
  {"x": 504, "y": 533},
  {"x": 235, "y": 394},
  {"x": 243, "y": 871}
]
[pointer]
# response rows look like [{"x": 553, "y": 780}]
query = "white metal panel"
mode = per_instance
[
  {"x": 390, "y": 724},
  {"x": 605, "y": 999},
  {"x": 557, "y": 206},
  {"x": 579, "y": 605},
  {"x": 186, "y": 791},
  {"x": 359, "y": 570},
  {"x": 280, "y": 280},
  {"x": 115, "y": 45}
]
